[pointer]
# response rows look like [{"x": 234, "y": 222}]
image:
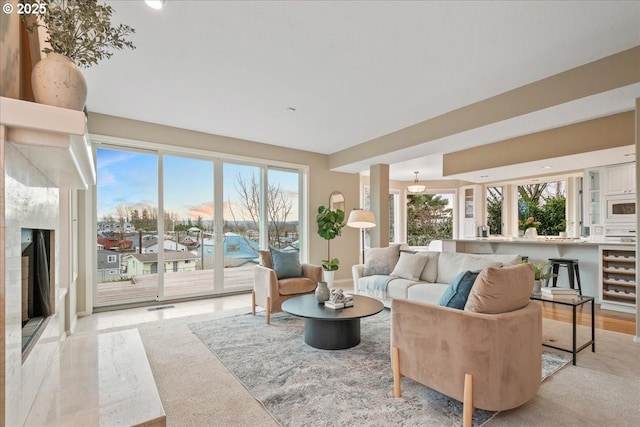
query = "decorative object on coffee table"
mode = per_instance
[
  {"x": 337, "y": 299},
  {"x": 322, "y": 292}
]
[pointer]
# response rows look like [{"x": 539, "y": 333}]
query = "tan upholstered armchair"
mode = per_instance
[
  {"x": 486, "y": 361},
  {"x": 270, "y": 293}
]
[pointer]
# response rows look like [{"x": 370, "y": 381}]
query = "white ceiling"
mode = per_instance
[{"x": 355, "y": 71}]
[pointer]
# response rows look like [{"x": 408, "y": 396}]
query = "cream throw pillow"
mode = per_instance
[
  {"x": 430, "y": 270},
  {"x": 409, "y": 266},
  {"x": 498, "y": 290}
]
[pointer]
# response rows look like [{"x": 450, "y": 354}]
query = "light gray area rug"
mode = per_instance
[
  {"x": 303, "y": 386},
  {"x": 603, "y": 389}
]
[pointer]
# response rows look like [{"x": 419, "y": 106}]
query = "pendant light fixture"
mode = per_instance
[{"x": 416, "y": 187}]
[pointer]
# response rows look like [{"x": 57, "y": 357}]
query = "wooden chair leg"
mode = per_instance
[
  {"x": 268, "y": 310},
  {"x": 395, "y": 366},
  {"x": 467, "y": 403},
  {"x": 253, "y": 303}
]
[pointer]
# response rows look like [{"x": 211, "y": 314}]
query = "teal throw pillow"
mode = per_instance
[
  {"x": 458, "y": 291},
  {"x": 286, "y": 263}
]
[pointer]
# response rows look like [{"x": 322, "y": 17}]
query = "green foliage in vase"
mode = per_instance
[
  {"x": 81, "y": 30},
  {"x": 542, "y": 271},
  {"x": 330, "y": 223}
]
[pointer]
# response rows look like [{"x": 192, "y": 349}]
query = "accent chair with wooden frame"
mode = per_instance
[{"x": 270, "y": 292}]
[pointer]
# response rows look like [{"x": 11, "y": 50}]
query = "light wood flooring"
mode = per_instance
[{"x": 605, "y": 319}]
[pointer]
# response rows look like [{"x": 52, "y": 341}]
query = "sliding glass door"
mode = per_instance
[
  {"x": 188, "y": 244},
  {"x": 171, "y": 226},
  {"x": 127, "y": 223},
  {"x": 241, "y": 208}
]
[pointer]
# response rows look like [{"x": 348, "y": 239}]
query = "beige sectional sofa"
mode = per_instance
[{"x": 403, "y": 272}]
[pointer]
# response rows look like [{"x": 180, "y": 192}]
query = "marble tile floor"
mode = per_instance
[
  {"x": 133, "y": 316},
  {"x": 100, "y": 373}
]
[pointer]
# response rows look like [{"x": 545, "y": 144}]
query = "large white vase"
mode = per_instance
[
  {"x": 531, "y": 233},
  {"x": 56, "y": 80}
]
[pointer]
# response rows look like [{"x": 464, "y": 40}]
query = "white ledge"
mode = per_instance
[{"x": 53, "y": 139}]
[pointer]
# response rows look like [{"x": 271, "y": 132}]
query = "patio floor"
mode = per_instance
[{"x": 175, "y": 284}]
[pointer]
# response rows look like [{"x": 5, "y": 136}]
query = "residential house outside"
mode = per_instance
[
  {"x": 238, "y": 250},
  {"x": 116, "y": 227},
  {"x": 140, "y": 264},
  {"x": 109, "y": 268},
  {"x": 150, "y": 245}
]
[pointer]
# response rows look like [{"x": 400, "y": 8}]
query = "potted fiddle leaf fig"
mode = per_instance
[
  {"x": 330, "y": 223},
  {"x": 79, "y": 34}
]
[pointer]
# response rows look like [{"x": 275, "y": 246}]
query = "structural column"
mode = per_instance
[
  {"x": 379, "y": 202},
  {"x": 637, "y": 117}
]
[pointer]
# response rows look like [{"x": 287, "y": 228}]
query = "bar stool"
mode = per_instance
[{"x": 572, "y": 269}]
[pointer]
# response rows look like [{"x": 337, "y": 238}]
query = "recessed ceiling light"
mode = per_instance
[
  {"x": 547, "y": 167},
  {"x": 155, "y": 4},
  {"x": 484, "y": 176},
  {"x": 292, "y": 109}
]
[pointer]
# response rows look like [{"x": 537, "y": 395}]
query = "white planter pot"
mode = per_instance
[
  {"x": 537, "y": 286},
  {"x": 328, "y": 277},
  {"x": 56, "y": 80}
]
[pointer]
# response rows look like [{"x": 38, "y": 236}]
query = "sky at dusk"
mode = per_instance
[{"x": 129, "y": 178}]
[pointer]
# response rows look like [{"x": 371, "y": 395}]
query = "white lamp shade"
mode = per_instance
[{"x": 359, "y": 218}]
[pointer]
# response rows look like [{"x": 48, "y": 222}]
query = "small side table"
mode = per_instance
[{"x": 574, "y": 303}]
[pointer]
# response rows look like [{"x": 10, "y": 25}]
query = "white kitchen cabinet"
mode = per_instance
[
  {"x": 592, "y": 196},
  {"x": 471, "y": 209},
  {"x": 620, "y": 179}
]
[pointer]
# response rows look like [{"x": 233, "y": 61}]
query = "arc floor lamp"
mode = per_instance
[{"x": 362, "y": 219}]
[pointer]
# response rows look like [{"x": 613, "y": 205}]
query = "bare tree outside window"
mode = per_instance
[{"x": 279, "y": 208}]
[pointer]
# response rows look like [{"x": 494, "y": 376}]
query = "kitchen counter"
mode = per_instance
[
  {"x": 543, "y": 241},
  {"x": 540, "y": 249}
]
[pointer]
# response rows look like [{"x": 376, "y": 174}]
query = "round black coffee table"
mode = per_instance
[{"x": 330, "y": 329}]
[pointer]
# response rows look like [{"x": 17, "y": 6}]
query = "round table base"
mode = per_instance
[{"x": 332, "y": 335}]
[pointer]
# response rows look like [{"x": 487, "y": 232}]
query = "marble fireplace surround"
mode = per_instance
[{"x": 42, "y": 150}]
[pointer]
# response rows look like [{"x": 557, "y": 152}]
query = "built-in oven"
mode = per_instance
[{"x": 621, "y": 208}]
